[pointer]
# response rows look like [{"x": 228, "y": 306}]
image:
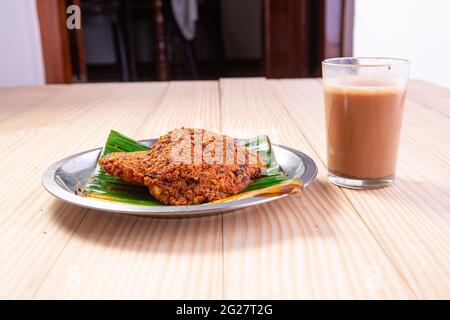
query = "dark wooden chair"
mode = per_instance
[{"x": 115, "y": 14}]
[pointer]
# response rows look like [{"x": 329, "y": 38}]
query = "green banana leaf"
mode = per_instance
[{"x": 103, "y": 186}]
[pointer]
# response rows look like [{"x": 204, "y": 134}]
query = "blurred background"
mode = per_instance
[{"x": 161, "y": 40}]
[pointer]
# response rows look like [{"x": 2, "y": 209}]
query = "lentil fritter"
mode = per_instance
[
  {"x": 188, "y": 166},
  {"x": 129, "y": 166}
]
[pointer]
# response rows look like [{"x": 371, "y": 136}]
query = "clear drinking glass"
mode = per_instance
[{"x": 364, "y": 100}]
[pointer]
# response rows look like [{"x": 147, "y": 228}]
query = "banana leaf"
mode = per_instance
[{"x": 101, "y": 185}]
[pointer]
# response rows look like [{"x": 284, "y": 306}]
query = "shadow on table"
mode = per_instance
[{"x": 278, "y": 221}]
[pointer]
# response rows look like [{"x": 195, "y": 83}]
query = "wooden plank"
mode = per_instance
[
  {"x": 314, "y": 247},
  {"x": 430, "y": 96},
  {"x": 410, "y": 219},
  {"x": 117, "y": 256},
  {"x": 19, "y": 100},
  {"x": 332, "y": 243},
  {"x": 35, "y": 227}
]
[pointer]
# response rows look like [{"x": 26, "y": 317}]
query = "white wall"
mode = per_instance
[
  {"x": 418, "y": 30},
  {"x": 21, "y": 61}
]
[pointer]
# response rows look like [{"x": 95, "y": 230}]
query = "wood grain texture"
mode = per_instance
[
  {"x": 116, "y": 256},
  {"x": 331, "y": 243},
  {"x": 430, "y": 96},
  {"x": 35, "y": 227},
  {"x": 410, "y": 219},
  {"x": 314, "y": 247}
]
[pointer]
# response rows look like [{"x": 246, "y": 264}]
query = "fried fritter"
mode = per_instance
[
  {"x": 188, "y": 166},
  {"x": 129, "y": 166},
  {"x": 192, "y": 166}
]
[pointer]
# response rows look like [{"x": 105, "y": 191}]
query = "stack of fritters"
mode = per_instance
[{"x": 188, "y": 166}]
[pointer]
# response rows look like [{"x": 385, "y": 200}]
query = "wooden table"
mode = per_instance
[{"x": 331, "y": 243}]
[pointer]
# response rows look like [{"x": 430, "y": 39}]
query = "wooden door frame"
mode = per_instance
[
  {"x": 342, "y": 20},
  {"x": 347, "y": 27},
  {"x": 55, "y": 41},
  {"x": 58, "y": 49},
  {"x": 299, "y": 34},
  {"x": 285, "y": 38}
]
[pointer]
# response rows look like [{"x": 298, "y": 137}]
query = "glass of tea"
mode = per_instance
[{"x": 364, "y": 100}]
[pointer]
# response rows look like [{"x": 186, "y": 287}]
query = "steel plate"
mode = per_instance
[{"x": 64, "y": 177}]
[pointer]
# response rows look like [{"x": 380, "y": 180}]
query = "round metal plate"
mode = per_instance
[{"x": 64, "y": 177}]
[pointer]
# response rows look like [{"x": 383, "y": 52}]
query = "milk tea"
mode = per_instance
[{"x": 363, "y": 120}]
